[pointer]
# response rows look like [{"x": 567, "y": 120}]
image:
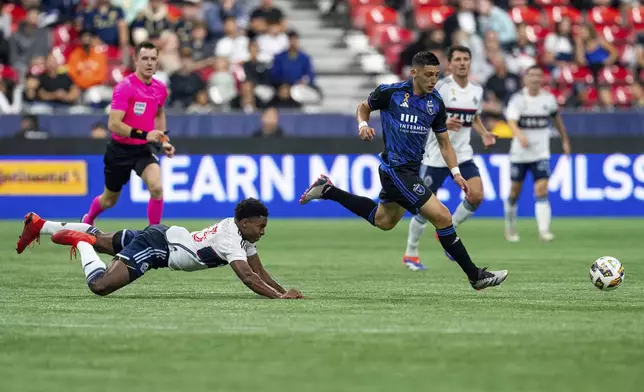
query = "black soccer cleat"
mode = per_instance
[{"x": 489, "y": 279}]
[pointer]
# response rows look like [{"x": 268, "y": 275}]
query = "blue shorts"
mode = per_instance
[
  {"x": 434, "y": 177},
  {"x": 539, "y": 170},
  {"x": 147, "y": 249},
  {"x": 403, "y": 186}
]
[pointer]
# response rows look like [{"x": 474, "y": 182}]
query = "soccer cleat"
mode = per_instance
[
  {"x": 30, "y": 232},
  {"x": 72, "y": 238},
  {"x": 546, "y": 236},
  {"x": 413, "y": 263},
  {"x": 511, "y": 236},
  {"x": 489, "y": 279},
  {"x": 316, "y": 190}
]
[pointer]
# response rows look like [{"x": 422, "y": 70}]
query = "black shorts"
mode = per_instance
[
  {"x": 403, "y": 186},
  {"x": 121, "y": 159},
  {"x": 434, "y": 177},
  {"x": 148, "y": 249},
  {"x": 122, "y": 238},
  {"x": 539, "y": 170}
]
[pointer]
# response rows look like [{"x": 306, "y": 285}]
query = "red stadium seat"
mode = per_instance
[
  {"x": 353, "y": 4},
  {"x": 622, "y": 96},
  {"x": 604, "y": 16},
  {"x": 556, "y": 14},
  {"x": 427, "y": 3},
  {"x": 431, "y": 17},
  {"x": 382, "y": 36},
  {"x": 8, "y": 73},
  {"x": 592, "y": 96},
  {"x": 615, "y": 75},
  {"x": 64, "y": 35},
  {"x": 575, "y": 74},
  {"x": 369, "y": 15},
  {"x": 560, "y": 94},
  {"x": 525, "y": 14},
  {"x": 635, "y": 17},
  {"x": 16, "y": 12},
  {"x": 551, "y": 3},
  {"x": 616, "y": 35},
  {"x": 537, "y": 33}
]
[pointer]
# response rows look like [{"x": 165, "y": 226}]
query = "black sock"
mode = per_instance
[
  {"x": 361, "y": 206},
  {"x": 453, "y": 245}
]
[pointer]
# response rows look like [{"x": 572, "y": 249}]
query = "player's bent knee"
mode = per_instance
[
  {"x": 384, "y": 224},
  {"x": 156, "y": 191},
  {"x": 99, "y": 288},
  {"x": 476, "y": 198}
]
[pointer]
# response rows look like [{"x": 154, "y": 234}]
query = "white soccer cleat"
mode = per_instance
[
  {"x": 546, "y": 236},
  {"x": 512, "y": 236},
  {"x": 316, "y": 190}
]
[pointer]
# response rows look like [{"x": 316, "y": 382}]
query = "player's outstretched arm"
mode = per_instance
[
  {"x": 254, "y": 282},
  {"x": 257, "y": 266}
]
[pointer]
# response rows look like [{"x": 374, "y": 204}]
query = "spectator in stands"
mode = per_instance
[
  {"x": 293, "y": 66},
  {"x": 185, "y": 83},
  {"x": 32, "y": 80},
  {"x": 559, "y": 44},
  {"x": 30, "y": 128},
  {"x": 99, "y": 131},
  {"x": 190, "y": 12},
  {"x": 283, "y": 99},
  {"x": 639, "y": 55},
  {"x": 592, "y": 50},
  {"x": 431, "y": 40},
  {"x": 605, "y": 99},
  {"x": 108, "y": 22},
  {"x": 256, "y": 71},
  {"x": 87, "y": 64},
  {"x": 28, "y": 41},
  {"x": 270, "y": 125},
  {"x": 10, "y": 97},
  {"x": 264, "y": 16},
  {"x": 577, "y": 98},
  {"x": 499, "y": 87},
  {"x": 215, "y": 14},
  {"x": 523, "y": 52},
  {"x": 463, "y": 19},
  {"x": 247, "y": 100},
  {"x": 203, "y": 50},
  {"x": 56, "y": 89},
  {"x": 153, "y": 24},
  {"x": 638, "y": 95},
  {"x": 223, "y": 81},
  {"x": 5, "y": 33},
  {"x": 202, "y": 104},
  {"x": 233, "y": 45},
  {"x": 494, "y": 18},
  {"x": 481, "y": 70},
  {"x": 271, "y": 43}
]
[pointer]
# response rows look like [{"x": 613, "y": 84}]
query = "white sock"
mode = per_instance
[
  {"x": 51, "y": 227},
  {"x": 510, "y": 216},
  {"x": 417, "y": 227},
  {"x": 463, "y": 212},
  {"x": 92, "y": 264},
  {"x": 543, "y": 214}
]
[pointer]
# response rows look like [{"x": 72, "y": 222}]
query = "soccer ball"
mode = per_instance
[{"x": 606, "y": 273}]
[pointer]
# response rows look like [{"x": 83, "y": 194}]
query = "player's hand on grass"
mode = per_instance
[
  {"x": 523, "y": 140},
  {"x": 292, "y": 294},
  {"x": 565, "y": 144},
  {"x": 367, "y": 133},
  {"x": 489, "y": 139},
  {"x": 168, "y": 149},
  {"x": 460, "y": 181},
  {"x": 155, "y": 136},
  {"x": 454, "y": 124}
]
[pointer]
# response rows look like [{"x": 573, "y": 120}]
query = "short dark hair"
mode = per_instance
[
  {"x": 250, "y": 208},
  {"x": 533, "y": 67},
  {"x": 458, "y": 48},
  {"x": 144, "y": 45},
  {"x": 422, "y": 59}
]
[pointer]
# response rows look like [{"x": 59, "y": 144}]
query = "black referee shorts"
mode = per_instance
[{"x": 121, "y": 159}]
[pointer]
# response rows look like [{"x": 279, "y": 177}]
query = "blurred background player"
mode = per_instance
[
  {"x": 463, "y": 105},
  {"x": 136, "y": 120},
  {"x": 528, "y": 113},
  {"x": 408, "y": 111},
  {"x": 229, "y": 242}
]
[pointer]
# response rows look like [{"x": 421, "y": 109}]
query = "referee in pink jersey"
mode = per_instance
[{"x": 137, "y": 122}]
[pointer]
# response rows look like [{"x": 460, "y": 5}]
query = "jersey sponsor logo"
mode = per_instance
[
  {"x": 139, "y": 108},
  {"x": 466, "y": 116},
  {"x": 408, "y": 118},
  {"x": 430, "y": 108},
  {"x": 534, "y": 122}
]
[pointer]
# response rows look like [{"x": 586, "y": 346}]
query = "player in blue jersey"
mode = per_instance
[{"x": 409, "y": 110}]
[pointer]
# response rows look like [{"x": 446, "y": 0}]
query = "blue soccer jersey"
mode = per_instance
[{"x": 406, "y": 121}]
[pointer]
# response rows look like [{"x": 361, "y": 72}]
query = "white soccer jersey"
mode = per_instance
[
  {"x": 464, "y": 104},
  {"x": 211, "y": 247},
  {"x": 533, "y": 114}
]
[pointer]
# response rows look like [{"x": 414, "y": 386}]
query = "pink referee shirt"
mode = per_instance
[{"x": 140, "y": 102}]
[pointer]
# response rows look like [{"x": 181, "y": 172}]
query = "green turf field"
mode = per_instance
[{"x": 369, "y": 325}]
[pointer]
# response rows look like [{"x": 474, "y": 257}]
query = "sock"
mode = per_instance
[
  {"x": 543, "y": 214},
  {"x": 453, "y": 245},
  {"x": 463, "y": 212},
  {"x": 417, "y": 227},
  {"x": 92, "y": 264},
  {"x": 51, "y": 227},
  {"x": 94, "y": 210},
  {"x": 361, "y": 206},
  {"x": 510, "y": 208},
  {"x": 155, "y": 211}
]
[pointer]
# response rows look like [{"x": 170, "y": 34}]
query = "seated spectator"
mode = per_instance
[
  {"x": 270, "y": 125},
  {"x": 203, "y": 50},
  {"x": 28, "y": 41},
  {"x": 247, "y": 100},
  {"x": 638, "y": 95},
  {"x": 191, "y": 13},
  {"x": 153, "y": 24},
  {"x": 185, "y": 83},
  {"x": 87, "y": 64},
  {"x": 99, "y": 131},
  {"x": 523, "y": 52},
  {"x": 494, "y": 18},
  {"x": 499, "y": 88},
  {"x": 559, "y": 44},
  {"x": 10, "y": 97},
  {"x": 283, "y": 99},
  {"x": 30, "y": 129},
  {"x": 32, "y": 80},
  {"x": 265, "y": 15},
  {"x": 293, "y": 66},
  {"x": 223, "y": 82},
  {"x": 271, "y": 43},
  {"x": 202, "y": 104},
  {"x": 232, "y": 45},
  {"x": 427, "y": 40},
  {"x": 108, "y": 23},
  {"x": 56, "y": 90},
  {"x": 463, "y": 19},
  {"x": 256, "y": 71},
  {"x": 592, "y": 50},
  {"x": 214, "y": 14}
]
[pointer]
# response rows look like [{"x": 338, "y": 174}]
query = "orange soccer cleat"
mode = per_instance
[
  {"x": 72, "y": 238},
  {"x": 30, "y": 232}
]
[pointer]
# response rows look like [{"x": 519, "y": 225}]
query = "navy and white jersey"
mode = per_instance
[
  {"x": 406, "y": 120},
  {"x": 533, "y": 115},
  {"x": 463, "y": 104}
]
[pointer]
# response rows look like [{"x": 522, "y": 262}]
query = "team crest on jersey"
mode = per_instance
[
  {"x": 419, "y": 189},
  {"x": 430, "y": 108},
  {"x": 139, "y": 108},
  {"x": 475, "y": 101}
]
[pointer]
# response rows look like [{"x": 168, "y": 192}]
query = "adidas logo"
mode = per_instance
[{"x": 404, "y": 104}]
